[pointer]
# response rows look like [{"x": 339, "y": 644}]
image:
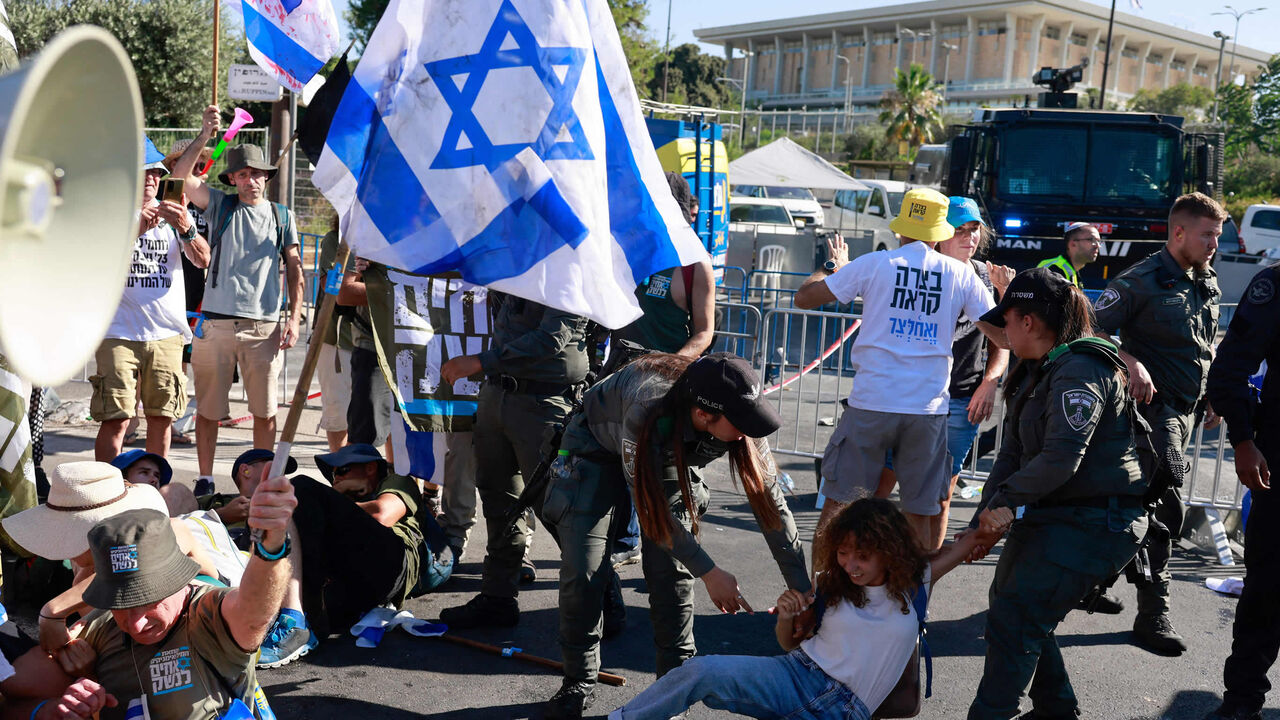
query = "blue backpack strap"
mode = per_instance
[{"x": 921, "y": 603}]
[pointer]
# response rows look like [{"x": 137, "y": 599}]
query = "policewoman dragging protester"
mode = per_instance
[
  {"x": 1069, "y": 460},
  {"x": 646, "y": 430}
]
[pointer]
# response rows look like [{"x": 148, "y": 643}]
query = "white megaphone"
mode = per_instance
[{"x": 70, "y": 186}]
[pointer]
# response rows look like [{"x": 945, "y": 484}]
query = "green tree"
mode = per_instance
[
  {"x": 169, "y": 42},
  {"x": 1266, "y": 107},
  {"x": 1182, "y": 99},
  {"x": 362, "y": 17},
  {"x": 911, "y": 108},
  {"x": 691, "y": 79}
]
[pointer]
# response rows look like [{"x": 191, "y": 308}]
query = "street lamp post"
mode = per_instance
[
  {"x": 915, "y": 37},
  {"x": 1217, "y": 76},
  {"x": 847, "y": 88},
  {"x": 946, "y": 66},
  {"x": 1237, "y": 14}
]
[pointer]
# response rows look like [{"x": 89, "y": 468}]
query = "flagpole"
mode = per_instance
[
  {"x": 1106, "y": 59},
  {"x": 217, "y": 13}
]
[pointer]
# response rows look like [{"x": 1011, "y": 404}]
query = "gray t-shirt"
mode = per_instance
[{"x": 244, "y": 277}]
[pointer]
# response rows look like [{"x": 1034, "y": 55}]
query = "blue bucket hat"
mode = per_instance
[
  {"x": 349, "y": 455},
  {"x": 125, "y": 460},
  {"x": 962, "y": 210},
  {"x": 152, "y": 159}
]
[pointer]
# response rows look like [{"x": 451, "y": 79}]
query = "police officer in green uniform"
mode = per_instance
[
  {"x": 643, "y": 431},
  {"x": 1069, "y": 460},
  {"x": 1083, "y": 243},
  {"x": 536, "y": 362},
  {"x": 1165, "y": 311}
]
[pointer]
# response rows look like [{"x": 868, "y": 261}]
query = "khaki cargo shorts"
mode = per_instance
[
  {"x": 253, "y": 345},
  {"x": 855, "y": 456},
  {"x": 128, "y": 369}
]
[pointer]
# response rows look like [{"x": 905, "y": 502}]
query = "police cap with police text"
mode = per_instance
[
  {"x": 724, "y": 383},
  {"x": 1038, "y": 289}
]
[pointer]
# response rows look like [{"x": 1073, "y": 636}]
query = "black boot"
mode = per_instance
[
  {"x": 615, "y": 608},
  {"x": 570, "y": 701},
  {"x": 1106, "y": 603},
  {"x": 482, "y": 611},
  {"x": 1233, "y": 713},
  {"x": 1155, "y": 633}
]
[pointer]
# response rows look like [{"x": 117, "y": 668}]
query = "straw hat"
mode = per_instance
[
  {"x": 923, "y": 216},
  {"x": 80, "y": 495}
]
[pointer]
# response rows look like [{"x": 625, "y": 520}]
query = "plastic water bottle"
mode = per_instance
[
  {"x": 968, "y": 492},
  {"x": 786, "y": 482}
]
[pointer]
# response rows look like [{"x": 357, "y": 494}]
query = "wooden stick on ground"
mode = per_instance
[{"x": 604, "y": 677}]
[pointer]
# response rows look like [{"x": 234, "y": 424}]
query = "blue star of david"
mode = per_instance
[{"x": 527, "y": 53}]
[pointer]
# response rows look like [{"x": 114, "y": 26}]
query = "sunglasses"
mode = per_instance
[{"x": 344, "y": 469}]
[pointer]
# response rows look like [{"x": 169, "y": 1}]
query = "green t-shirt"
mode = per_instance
[
  {"x": 407, "y": 527},
  {"x": 245, "y": 273},
  {"x": 193, "y": 674},
  {"x": 339, "y": 332}
]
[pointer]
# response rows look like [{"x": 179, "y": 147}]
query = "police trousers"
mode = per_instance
[
  {"x": 1051, "y": 558},
  {"x": 1256, "y": 633},
  {"x": 508, "y": 441},
  {"x": 1169, "y": 429},
  {"x": 581, "y": 499}
]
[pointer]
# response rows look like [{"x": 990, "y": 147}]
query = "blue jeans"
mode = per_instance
[
  {"x": 960, "y": 433},
  {"x": 783, "y": 686}
]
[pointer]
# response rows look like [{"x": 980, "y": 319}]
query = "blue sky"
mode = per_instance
[{"x": 1261, "y": 31}]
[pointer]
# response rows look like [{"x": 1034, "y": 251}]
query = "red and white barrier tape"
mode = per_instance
[
  {"x": 821, "y": 359},
  {"x": 247, "y": 418}
]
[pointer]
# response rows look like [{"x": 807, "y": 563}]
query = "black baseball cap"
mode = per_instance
[
  {"x": 1039, "y": 289},
  {"x": 726, "y": 384},
  {"x": 256, "y": 454}
]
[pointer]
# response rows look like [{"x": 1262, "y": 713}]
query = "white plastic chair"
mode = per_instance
[{"x": 771, "y": 259}]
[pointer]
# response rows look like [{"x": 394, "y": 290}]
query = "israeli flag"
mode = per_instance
[
  {"x": 291, "y": 39},
  {"x": 503, "y": 139}
]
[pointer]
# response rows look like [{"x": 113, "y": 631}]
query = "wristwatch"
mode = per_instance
[
  {"x": 830, "y": 266},
  {"x": 283, "y": 552},
  {"x": 189, "y": 235}
]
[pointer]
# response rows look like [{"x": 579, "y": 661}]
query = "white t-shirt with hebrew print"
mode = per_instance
[
  {"x": 154, "y": 304},
  {"x": 911, "y": 300}
]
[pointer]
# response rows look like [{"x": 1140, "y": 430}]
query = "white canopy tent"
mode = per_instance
[{"x": 783, "y": 163}]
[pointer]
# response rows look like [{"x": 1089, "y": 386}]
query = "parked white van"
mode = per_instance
[
  {"x": 870, "y": 209},
  {"x": 1260, "y": 229},
  {"x": 800, "y": 202}
]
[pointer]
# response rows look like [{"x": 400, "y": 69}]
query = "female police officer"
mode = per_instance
[
  {"x": 1069, "y": 459},
  {"x": 642, "y": 430}
]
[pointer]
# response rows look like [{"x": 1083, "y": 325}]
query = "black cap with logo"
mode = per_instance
[
  {"x": 724, "y": 383},
  {"x": 1039, "y": 289}
]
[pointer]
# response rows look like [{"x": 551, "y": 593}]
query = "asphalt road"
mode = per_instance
[{"x": 408, "y": 677}]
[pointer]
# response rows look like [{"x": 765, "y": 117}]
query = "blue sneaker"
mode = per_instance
[{"x": 287, "y": 641}]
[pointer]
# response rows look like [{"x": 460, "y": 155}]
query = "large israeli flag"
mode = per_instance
[
  {"x": 503, "y": 139},
  {"x": 291, "y": 39}
]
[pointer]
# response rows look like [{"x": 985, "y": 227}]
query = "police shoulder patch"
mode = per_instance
[
  {"x": 629, "y": 457},
  {"x": 1108, "y": 298},
  {"x": 1080, "y": 407},
  {"x": 1261, "y": 291}
]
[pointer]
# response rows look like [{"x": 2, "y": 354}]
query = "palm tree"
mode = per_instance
[{"x": 911, "y": 108}]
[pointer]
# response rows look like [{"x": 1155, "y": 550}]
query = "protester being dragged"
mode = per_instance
[
  {"x": 1083, "y": 242},
  {"x": 141, "y": 354},
  {"x": 645, "y": 431},
  {"x": 363, "y": 543},
  {"x": 912, "y": 299},
  {"x": 253, "y": 240},
  {"x": 81, "y": 494},
  {"x": 168, "y": 648},
  {"x": 1069, "y": 459},
  {"x": 140, "y": 467},
  {"x": 840, "y": 665}
]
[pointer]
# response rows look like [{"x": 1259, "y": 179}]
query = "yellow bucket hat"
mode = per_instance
[{"x": 923, "y": 216}]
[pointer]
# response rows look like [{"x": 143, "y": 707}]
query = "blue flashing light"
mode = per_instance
[{"x": 1012, "y": 223}]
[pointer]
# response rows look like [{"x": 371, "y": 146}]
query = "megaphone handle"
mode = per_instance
[{"x": 278, "y": 464}]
